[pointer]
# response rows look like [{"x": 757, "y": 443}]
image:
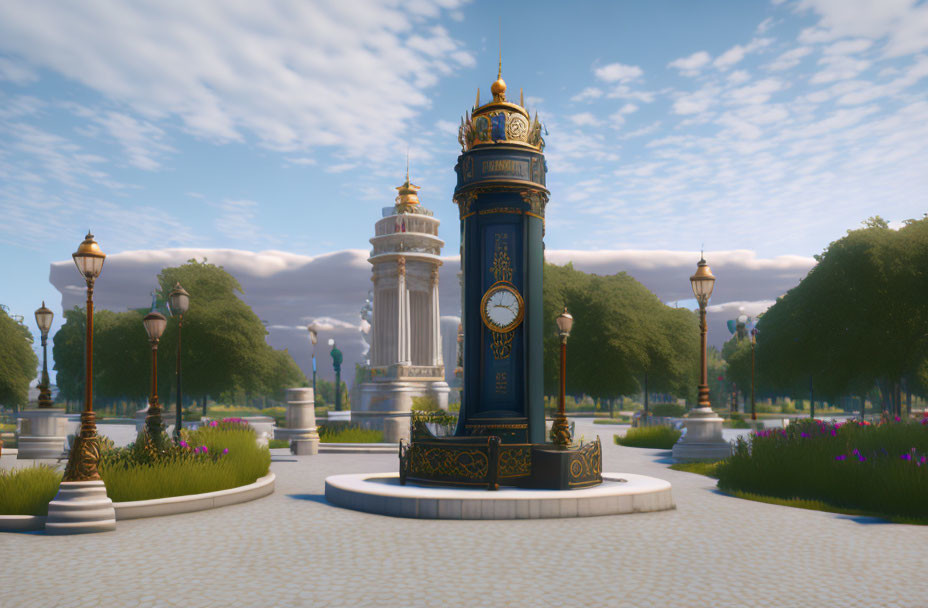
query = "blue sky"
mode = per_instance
[{"x": 766, "y": 126}]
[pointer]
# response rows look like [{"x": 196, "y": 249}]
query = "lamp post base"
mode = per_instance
[
  {"x": 80, "y": 507},
  {"x": 703, "y": 438}
]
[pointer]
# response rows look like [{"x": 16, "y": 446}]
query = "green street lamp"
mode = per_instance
[
  {"x": 179, "y": 302},
  {"x": 314, "y": 336},
  {"x": 560, "y": 430},
  {"x": 154, "y": 322},
  {"x": 43, "y": 318},
  {"x": 337, "y": 364},
  {"x": 82, "y": 461}
]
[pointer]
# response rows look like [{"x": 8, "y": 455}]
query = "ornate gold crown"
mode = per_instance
[{"x": 500, "y": 122}]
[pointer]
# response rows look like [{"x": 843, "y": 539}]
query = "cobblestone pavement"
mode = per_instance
[{"x": 293, "y": 549}]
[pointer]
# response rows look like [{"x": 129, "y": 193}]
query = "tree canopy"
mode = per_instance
[
  {"x": 621, "y": 332},
  {"x": 19, "y": 361},
  {"x": 858, "y": 318},
  {"x": 225, "y": 354}
]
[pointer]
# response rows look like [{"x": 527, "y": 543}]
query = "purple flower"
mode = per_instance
[
  {"x": 803, "y": 435},
  {"x": 834, "y": 433},
  {"x": 841, "y": 457},
  {"x": 183, "y": 443},
  {"x": 856, "y": 452},
  {"x": 906, "y": 456},
  {"x": 213, "y": 423},
  {"x": 203, "y": 449},
  {"x": 861, "y": 458},
  {"x": 225, "y": 450},
  {"x": 923, "y": 459}
]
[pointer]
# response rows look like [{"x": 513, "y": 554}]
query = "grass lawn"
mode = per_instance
[{"x": 658, "y": 436}]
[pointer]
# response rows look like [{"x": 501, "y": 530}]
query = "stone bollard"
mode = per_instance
[
  {"x": 301, "y": 422},
  {"x": 41, "y": 436}
]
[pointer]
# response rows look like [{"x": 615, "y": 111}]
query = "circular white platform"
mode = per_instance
[{"x": 382, "y": 493}]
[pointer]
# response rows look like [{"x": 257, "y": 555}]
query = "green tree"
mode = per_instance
[
  {"x": 621, "y": 332},
  {"x": 857, "y": 319},
  {"x": 20, "y": 362}
]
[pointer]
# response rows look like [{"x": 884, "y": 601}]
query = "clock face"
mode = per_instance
[{"x": 502, "y": 308}]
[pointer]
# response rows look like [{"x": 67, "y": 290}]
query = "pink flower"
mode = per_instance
[
  {"x": 183, "y": 443},
  {"x": 225, "y": 450}
]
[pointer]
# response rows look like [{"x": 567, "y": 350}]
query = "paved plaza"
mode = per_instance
[{"x": 294, "y": 549}]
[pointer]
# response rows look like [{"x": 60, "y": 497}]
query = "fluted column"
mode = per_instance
[
  {"x": 402, "y": 313},
  {"x": 436, "y": 357}
]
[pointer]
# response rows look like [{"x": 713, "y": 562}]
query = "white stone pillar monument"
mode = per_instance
[{"x": 406, "y": 360}]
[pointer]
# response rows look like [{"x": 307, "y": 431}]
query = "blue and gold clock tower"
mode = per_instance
[
  {"x": 501, "y": 197},
  {"x": 500, "y": 435}
]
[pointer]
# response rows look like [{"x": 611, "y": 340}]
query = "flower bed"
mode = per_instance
[
  {"x": 881, "y": 469},
  {"x": 217, "y": 456},
  {"x": 658, "y": 436}
]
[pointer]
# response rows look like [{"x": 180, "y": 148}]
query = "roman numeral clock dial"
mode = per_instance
[{"x": 502, "y": 308}]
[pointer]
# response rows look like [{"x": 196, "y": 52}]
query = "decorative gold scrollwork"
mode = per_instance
[
  {"x": 502, "y": 263},
  {"x": 85, "y": 453},
  {"x": 436, "y": 461},
  {"x": 586, "y": 465},
  {"x": 502, "y": 344},
  {"x": 515, "y": 461}
]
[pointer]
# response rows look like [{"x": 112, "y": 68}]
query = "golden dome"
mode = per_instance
[{"x": 498, "y": 88}]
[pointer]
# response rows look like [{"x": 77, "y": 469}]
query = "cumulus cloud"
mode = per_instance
[
  {"x": 691, "y": 64},
  {"x": 289, "y": 75},
  {"x": 617, "y": 72},
  {"x": 902, "y": 23},
  {"x": 289, "y": 291}
]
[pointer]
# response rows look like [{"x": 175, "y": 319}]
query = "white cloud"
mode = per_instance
[
  {"x": 848, "y": 47},
  {"x": 446, "y": 126},
  {"x": 838, "y": 67},
  {"x": 759, "y": 92},
  {"x": 903, "y": 23},
  {"x": 617, "y": 72},
  {"x": 736, "y": 53},
  {"x": 588, "y": 94},
  {"x": 16, "y": 72},
  {"x": 789, "y": 59},
  {"x": 584, "y": 119},
  {"x": 697, "y": 102},
  {"x": 284, "y": 289},
  {"x": 691, "y": 64},
  {"x": 291, "y": 76}
]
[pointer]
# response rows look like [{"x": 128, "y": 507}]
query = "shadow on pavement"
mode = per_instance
[
  {"x": 665, "y": 458},
  {"x": 864, "y": 519},
  {"x": 320, "y": 498}
]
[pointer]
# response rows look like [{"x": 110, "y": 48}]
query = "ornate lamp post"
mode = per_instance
[
  {"x": 43, "y": 318},
  {"x": 703, "y": 438},
  {"x": 314, "y": 336},
  {"x": 179, "y": 301},
  {"x": 82, "y": 463},
  {"x": 154, "y": 322},
  {"x": 337, "y": 364},
  {"x": 703, "y": 282},
  {"x": 560, "y": 430},
  {"x": 81, "y": 504}
]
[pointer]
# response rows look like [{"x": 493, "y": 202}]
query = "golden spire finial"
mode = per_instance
[
  {"x": 498, "y": 88},
  {"x": 407, "y": 196}
]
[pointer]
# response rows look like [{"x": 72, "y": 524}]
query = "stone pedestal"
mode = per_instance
[
  {"x": 703, "y": 438},
  {"x": 383, "y": 402},
  {"x": 301, "y": 422},
  {"x": 79, "y": 507},
  {"x": 41, "y": 435}
]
